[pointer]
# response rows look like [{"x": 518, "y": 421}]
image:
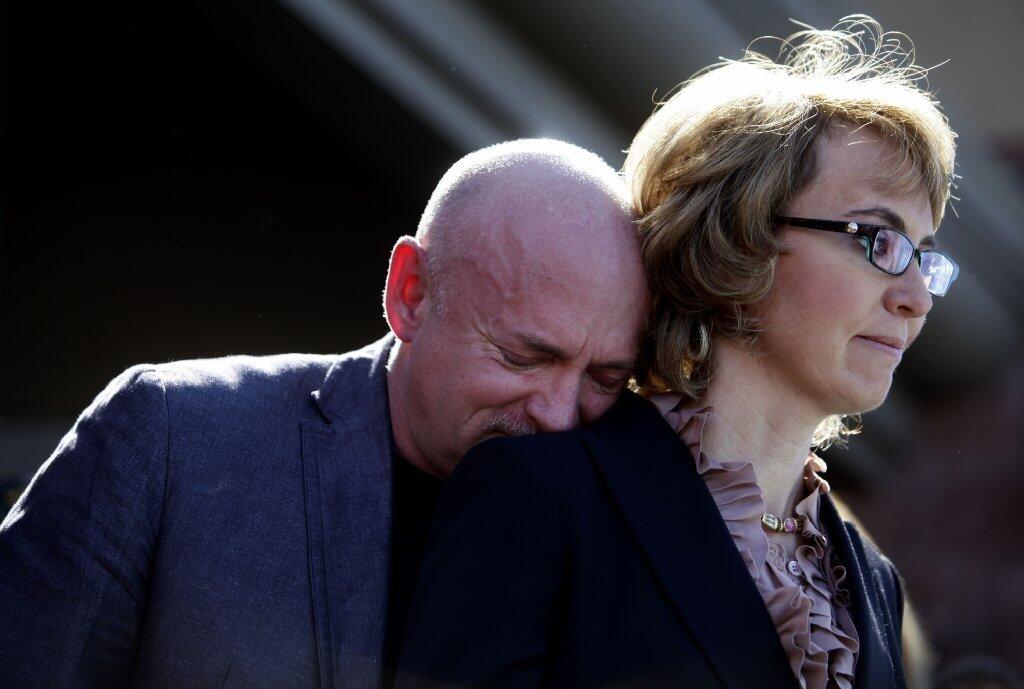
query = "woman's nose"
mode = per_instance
[{"x": 907, "y": 295}]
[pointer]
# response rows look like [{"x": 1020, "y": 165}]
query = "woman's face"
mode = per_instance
[{"x": 836, "y": 326}]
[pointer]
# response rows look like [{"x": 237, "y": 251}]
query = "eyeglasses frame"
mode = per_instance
[{"x": 869, "y": 232}]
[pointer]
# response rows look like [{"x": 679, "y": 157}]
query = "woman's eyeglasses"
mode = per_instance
[{"x": 890, "y": 250}]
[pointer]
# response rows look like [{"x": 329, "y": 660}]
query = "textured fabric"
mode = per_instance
[
  {"x": 207, "y": 523},
  {"x": 805, "y": 596},
  {"x": 598, "y": 558}
]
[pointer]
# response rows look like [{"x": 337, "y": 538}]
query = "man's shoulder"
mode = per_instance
[
  {"x": 234, "y": 380},
  {"x": 271, "y": 382},
  {"x": 235, "y": 373}
]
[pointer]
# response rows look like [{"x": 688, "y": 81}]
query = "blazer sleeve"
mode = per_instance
[
  {"x": 75, "y": 549},
  {"x": 483, "y": 613}
]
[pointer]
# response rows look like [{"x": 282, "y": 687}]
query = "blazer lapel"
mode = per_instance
[
  {"x": 347, "y": 455},
  {"x": 876, "y": 665},
  {"x": 668, "y": 506}
]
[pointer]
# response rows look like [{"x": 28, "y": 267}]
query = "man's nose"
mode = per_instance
[{"x": 556, "y": 406}]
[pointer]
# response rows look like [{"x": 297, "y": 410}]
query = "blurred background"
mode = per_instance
[{"x": 195, "y": 179}]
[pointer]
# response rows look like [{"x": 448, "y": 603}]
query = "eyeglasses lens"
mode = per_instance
[
  {"x": 938, "y": 271},
  {"x": 892, "y": 251}
]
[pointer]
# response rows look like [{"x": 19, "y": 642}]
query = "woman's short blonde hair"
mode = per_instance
[{"x": 731, "y": 149}]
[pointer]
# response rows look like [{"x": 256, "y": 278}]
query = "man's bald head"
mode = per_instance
[
  {"x": 517, "y": 307},
  {"x": 475, "y": 202}
]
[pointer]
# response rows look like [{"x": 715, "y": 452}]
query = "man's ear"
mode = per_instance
[{"x": 406, "y": 301}]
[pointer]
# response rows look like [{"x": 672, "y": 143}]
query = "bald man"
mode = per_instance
[{"x": 258, "y": 522}]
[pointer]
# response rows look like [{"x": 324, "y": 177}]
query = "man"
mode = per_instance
[{"x": 257, "y": 522}]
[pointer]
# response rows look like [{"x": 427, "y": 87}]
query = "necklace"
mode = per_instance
[{"x": 788, "y": 525}]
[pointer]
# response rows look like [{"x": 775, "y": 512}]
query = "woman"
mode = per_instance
[{"x": 787, "y": 213}]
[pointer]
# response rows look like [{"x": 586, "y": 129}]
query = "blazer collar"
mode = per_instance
[
  {"x": 347, "y": 461},
  {"x": 362, "y": 372},
  {"x": 668, "y": 506},
  {"x": 878, "y": 661}
]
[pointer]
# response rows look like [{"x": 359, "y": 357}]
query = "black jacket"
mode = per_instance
[{"x": 597, "y": 557}]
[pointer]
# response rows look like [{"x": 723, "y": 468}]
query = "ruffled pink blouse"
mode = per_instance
[{"x": 804, "y": 596}]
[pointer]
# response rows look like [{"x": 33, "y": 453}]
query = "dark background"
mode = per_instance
[
  {"x": 192, "y": 179},
  {"x": 165, "y": 195}
]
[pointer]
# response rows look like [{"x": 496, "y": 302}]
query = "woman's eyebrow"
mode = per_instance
[
  {"x": 893, "y": 219},
  {"x": 883, "y": 213}
]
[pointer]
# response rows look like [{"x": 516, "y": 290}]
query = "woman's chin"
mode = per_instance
[{"x": 864, "y": 394}]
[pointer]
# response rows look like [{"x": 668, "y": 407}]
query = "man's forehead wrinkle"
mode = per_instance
[
  {"x": 544, "y": 232},
  {"x": 493, "y": 272}
]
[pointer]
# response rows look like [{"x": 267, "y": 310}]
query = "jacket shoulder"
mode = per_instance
[
  {"x": 278, "y": 386},
  {"x": 883, "y": 574},
  {"x": 236, "y": 374},
  {"x": 632, "y": 425},
  {"x": 553, "y": 458},
  {"x": 880, "y": 566}
]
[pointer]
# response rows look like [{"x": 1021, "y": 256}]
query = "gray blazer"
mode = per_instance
[{"x": 208, "y": 523}]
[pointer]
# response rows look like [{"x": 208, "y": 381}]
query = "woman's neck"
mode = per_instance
[{"x": 760, "y": 419}]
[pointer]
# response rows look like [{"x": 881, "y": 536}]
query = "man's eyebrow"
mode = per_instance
[
  {"x": 617, "y": 365},
  {"x": 539, "y": 345},
  {"x": 892, "y": 219}
]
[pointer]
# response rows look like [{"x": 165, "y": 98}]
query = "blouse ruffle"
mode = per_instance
[{"x": 806, "y": 600}]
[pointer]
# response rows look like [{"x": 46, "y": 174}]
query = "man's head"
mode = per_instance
[{"x": 518, "y": 304}]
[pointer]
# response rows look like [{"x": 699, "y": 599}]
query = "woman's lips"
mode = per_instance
[{"x": 890, "y": 345}]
